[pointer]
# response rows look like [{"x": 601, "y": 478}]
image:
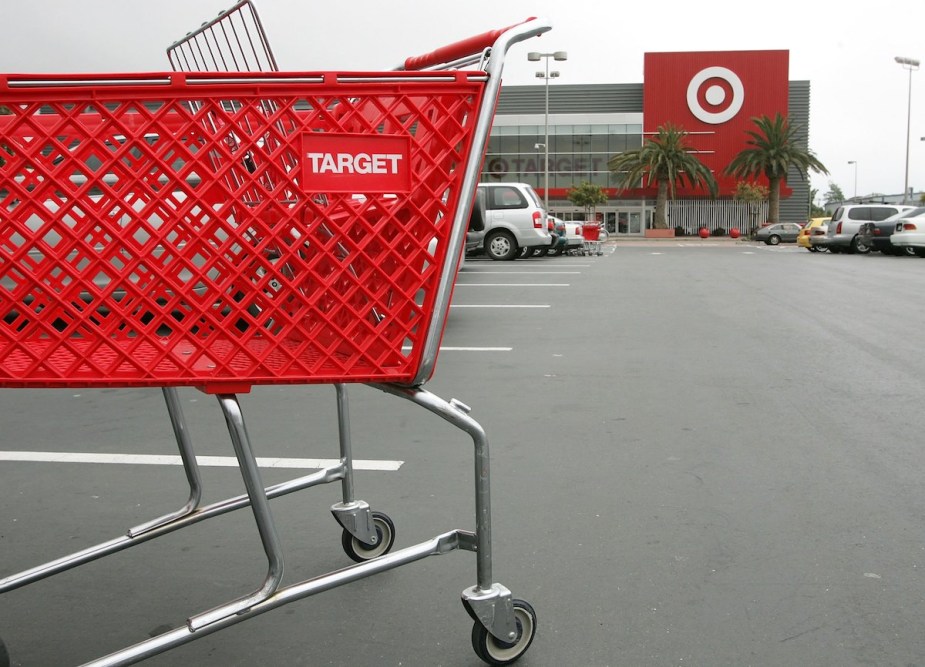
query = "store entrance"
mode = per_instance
[
  {"x": 624, "y": 222},
  {"x": 618, "y": 221}
]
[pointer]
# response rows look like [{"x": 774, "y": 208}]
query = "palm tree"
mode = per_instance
[
  {"x": 772, "y": 149},
  {"x": 665, "y": 159}
]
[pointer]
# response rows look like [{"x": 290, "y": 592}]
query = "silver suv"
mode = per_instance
[
  {"x": 513, "y": 218},
  {"x": 842, "y": 234}
]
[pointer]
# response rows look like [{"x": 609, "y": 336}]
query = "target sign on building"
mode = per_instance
[{"x": 713, "y": 96}]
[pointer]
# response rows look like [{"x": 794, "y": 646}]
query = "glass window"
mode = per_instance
[
  {"x": 576, "y": 153},
  {"x": 505, "y": 198},
  {"x": 581, "y": 143},
  {"x": 560, "y": 144},
  {"x": 597, "y": 178},
  {"x": 529, "y": 144}
]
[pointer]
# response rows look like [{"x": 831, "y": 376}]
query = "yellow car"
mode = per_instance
[{"x": 818, "y": 224}]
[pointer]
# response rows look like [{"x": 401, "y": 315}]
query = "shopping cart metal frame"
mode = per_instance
[
  {"x": 591, "y": 232},
  {"x": 503, "y": 626}
]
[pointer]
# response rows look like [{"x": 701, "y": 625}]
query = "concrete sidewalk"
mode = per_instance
[{"x": 686, "y": 240}]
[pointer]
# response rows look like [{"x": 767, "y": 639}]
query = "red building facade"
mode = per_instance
[{"x": 714, "y": 96}]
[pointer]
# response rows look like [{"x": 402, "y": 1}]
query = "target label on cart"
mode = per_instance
[{"x": 355, "y": 163}]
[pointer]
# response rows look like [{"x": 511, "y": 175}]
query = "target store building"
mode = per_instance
[{"x": 710, "y": 95}]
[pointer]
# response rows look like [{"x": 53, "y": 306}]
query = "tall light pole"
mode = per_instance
[
  {"x": 855, "y": 163},
  {"x": 910, "y": 64},
  {"x": 535, "y": 56}
]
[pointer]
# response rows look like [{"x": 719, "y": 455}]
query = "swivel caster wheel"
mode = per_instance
[
  {"x": 494, "y": 651},
  {"x": 360, "y": 552}
]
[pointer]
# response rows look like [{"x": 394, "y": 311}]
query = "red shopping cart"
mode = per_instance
[
  {"x": 221, "y": 230},
  {"x": 591, "y": 233}
]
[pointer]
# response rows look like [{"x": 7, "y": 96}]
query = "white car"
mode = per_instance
[
  {"x": 842, "y": 231},
  {"x": 910, "y": 233},
  {"x": 513, "y": 219}
]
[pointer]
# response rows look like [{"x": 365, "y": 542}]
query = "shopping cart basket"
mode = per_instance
[
  {"x": 591, "y": 233},
  {"x": 225, "y": 230}
]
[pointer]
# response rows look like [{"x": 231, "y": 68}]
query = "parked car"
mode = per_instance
[
  {"x": 842, "y": 232},
  {"x": 818, "y": 237},
  {"x": 780, "y": 232},
  {"x": 876, "y": 235},
  {"x": 910, "y": 233},
  {"x": 514, "y": 218},
  {"x": 541, "y": 251},
  {"x": 816, "y": 226},
  {"x": 570, "y": 237}
]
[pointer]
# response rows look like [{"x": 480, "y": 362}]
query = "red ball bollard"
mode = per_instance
[
  {"x": 734, "y": 232},
  {"x": 704, "y": 232}
]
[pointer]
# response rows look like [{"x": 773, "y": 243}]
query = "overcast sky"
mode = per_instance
[{"x": 859, "y": 95}]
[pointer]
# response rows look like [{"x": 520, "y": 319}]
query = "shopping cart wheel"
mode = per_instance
[
  {"x": 496, "y": 652},
  {"x": 358, "y": 551}
]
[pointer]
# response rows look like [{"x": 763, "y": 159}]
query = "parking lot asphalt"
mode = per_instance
[{"x": 702, "y": 454}]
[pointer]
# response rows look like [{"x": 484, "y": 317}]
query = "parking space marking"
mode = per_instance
[
  {"x": 408, "y": 348},
  {"x": 205, "y": 461},
  {"x": 513, "y": 284},
  {"x": 528, "y": 273},
  {"x": 517, "y": 267},
  {"x": 500, "y": 305}
]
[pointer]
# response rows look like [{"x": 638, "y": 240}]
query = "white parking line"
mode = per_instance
[
  {"x": 528, "y": 273},
  {"x": 513, "y": 284},
  {"x": 206, "y": 461},
  {"x": 407, "y": 348},
  {"x": 499, "y": 305}
]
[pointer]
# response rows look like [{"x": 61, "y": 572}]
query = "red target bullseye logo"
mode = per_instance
[{"x": 715, "y": 95}]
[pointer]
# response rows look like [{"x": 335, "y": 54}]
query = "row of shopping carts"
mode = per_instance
[{"x": 224, "y": 229}]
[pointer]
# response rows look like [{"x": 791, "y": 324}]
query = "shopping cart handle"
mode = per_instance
[{"x": 457, "y": 50}]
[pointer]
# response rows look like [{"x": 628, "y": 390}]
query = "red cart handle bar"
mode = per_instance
[{"x": 457, "y": 50}]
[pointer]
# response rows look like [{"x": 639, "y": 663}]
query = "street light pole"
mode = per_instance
[
  {"x": 910, "y": 64},
  {"x": 535, "y": 56},
  {"x": 855, "y": 163}
]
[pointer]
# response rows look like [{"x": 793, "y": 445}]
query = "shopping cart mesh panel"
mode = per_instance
[{"x": 192, "y": 233}]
